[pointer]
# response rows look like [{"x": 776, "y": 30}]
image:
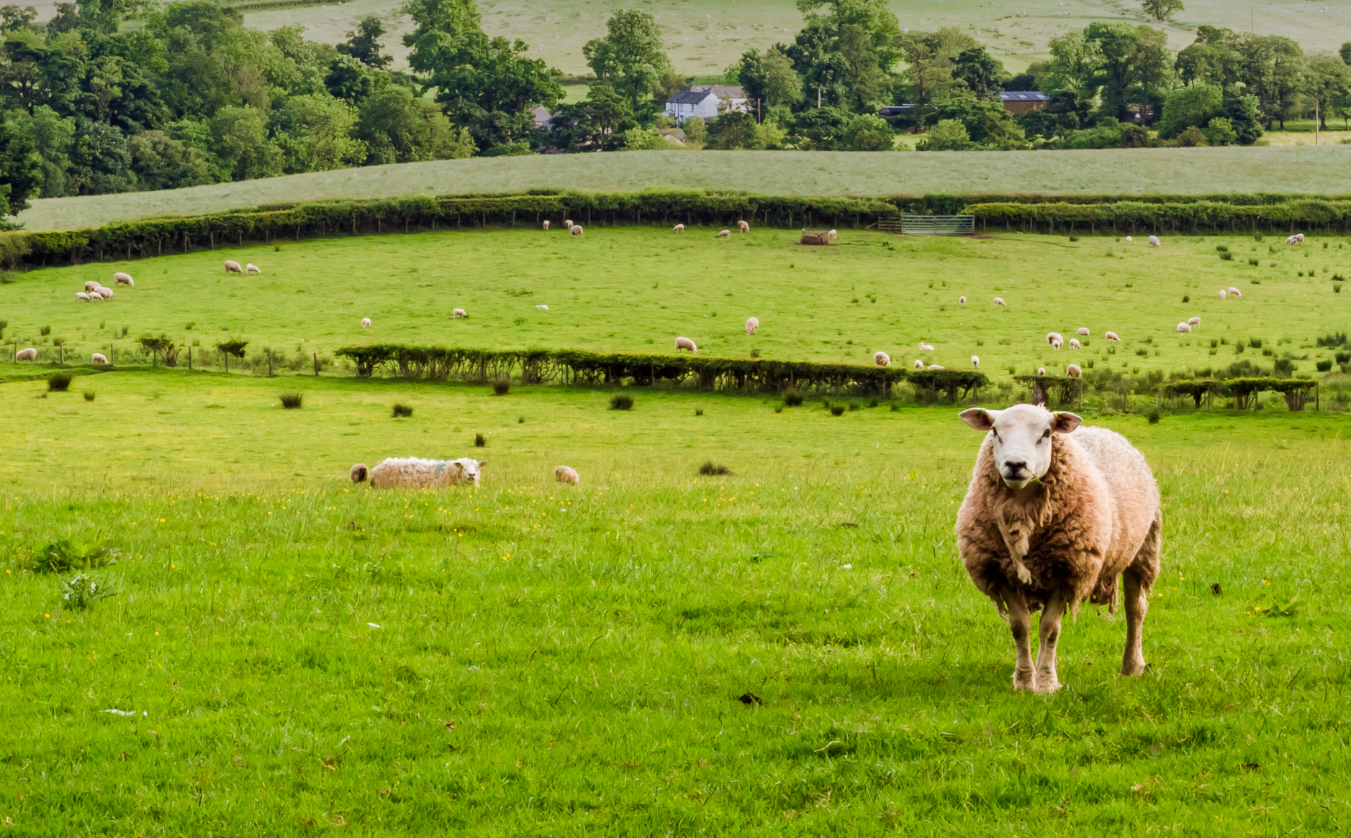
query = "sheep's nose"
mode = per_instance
[{"x": 1014, "y": 467}]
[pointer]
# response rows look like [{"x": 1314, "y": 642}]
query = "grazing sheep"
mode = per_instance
[
  {"x": 1194, "y": 322},
  {"x": 743, "y": 227},
  {"x": 686, "y": 343},
  {"x": 359, "y": 472},
  {"x": 82, "y": 297},
  {"x": 936, "y": 367},
  {"x": 120, "y": 278},
  {"x": 546, "y": 225},
  {"x": 1234, "y": 292},
  {"x": 29, "y": 354},
  {"x": 568, "y": 475},
  {"x": 882, "y": 359},
  {"x": 1052, "y": 518},
  {"x": 417, "y": 473},
  {"x": 90, "y": 285},
  {"x": 831, "y": 235},
  {"x": 1130, "y": 240},
  {"x": 1056, "y": 344},
  {"x": 919, "y": 365},
  {"x": 567, "y": 223},
  {"x": 365, "y": 322},
  {"x": 975, "y": 362},
  {"x": 1297, "y": 238},
  {"x": 1073, "y": 371},
  {"x": 98, "y": 358},
  {"x": 1223, "y": 293},
  {"x": 458, "y": 314},
  {"x": 1183, "y": 327},
  {"x": 961, "y": 301},
  {"x": 232, "y": 267},
  {"x": 106, "y": 293},
  {"x": 925, "y": 347},
  {"x": 1083, "y": 330},
  {"x": 752, "y": 325},
  {"x": 1074, "y": 343},
  {"x": 251, "y": 268},
  {"x": 1154, "y": 241},
  {"x": 679, "y": 228},
  {"x": 999, "y": 302},
  {"x": 1112, "y": 336},
  {"x": 96, "y": 296},
  {"x": 1041, "y": 371},
  {"x": 1052, "y": 337},
  {"x": 542, "y": 307},
  {"x": 725, "y": 234},
  {"x": 576, "y": 230}
]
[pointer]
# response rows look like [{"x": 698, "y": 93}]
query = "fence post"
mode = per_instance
[
  {"x": 189, "y": 358},
  {"x": 316, "y": 365}
]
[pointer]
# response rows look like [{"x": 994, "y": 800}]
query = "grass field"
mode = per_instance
[
  {"x": 289, "y": 653},
  {"x": 637, "y": 288},
  {"x": 1167, "y": 171}
]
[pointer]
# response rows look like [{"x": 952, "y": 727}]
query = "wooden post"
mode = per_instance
[
  {"x": 316, "y": 365},
  {"x": 111, "y": 357},
  {"x": 226, "y": 356},
  {"x": 189, "y": 358},
  {"x": 269, "y": 363},
  {"x": 61, "y": 355}
]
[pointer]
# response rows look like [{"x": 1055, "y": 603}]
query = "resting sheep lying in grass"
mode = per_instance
[
  {"x": 1083, "y": 331},
  {"x": 417, "y": 473},
  {"x": 1051, "y": 519},
  {"x": 882, "y": 359}
]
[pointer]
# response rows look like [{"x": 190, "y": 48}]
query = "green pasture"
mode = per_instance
[
  {"x": 793, "y": 649},
  {"x": 637, "y": 288}
]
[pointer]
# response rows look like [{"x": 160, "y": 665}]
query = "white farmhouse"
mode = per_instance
[{"x": 705, "y": 100}]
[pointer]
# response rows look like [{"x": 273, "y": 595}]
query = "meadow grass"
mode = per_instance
[
  {"x": 636, "y": 288},
  {"x": 793, "y": 649},
  {"x": 1159, "y": 171}
]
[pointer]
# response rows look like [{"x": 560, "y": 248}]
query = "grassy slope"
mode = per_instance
[
  {"x": 1177, "y": 171},
  {"x": 636, "y": 288},
  {"x": 568, "y": 662}
]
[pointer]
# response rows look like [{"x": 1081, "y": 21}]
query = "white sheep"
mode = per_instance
[
  {"x": 1194, "y": 322},
  {"x": 29, "y": 354},
  {"x": 1234, "y": 292},
  {"x": 975, "y": 362},
  {"x": 82, "y": 297},
  {"x": 95, "y": 296},
  {"x": 1052, "y": 337},
  {"x": 98, "y": 358},
  {"x": 568, "y": 475},
  {"x": 251, "y": 268},
  {"x": 1074, "y": 343},
  {"x": 567, "y": 223},
  {"x": 417, "y": 473},
  {"x": 458, "y": 314},
  {"x": 1112, "y": 336},
  {"x": 725, "y": 234},
  {"x": 919, "y": 365},
  {"x": 576, "y": 230},
  {"x": 925, "y": 347},
  {"x": 1154, "y": 241},
  {"x": 936, "y": 367},
  {"x": 686, "y": 343},
  {"x": 1083, "y": 331},
  {"x": 1041, "y": 371},
  {"x": 1073, "y": 371},
  {"x": 961, "y": 301},
  {"x": 752, "y": 325},
  {"x": 106, "y": 293},
  {"x": 1052, "y": 517},
  {"x": 365, "y": 322},
  {"x": 882, "y": 359},
  {"x": 1223, "y": 293},
  {"x": 232, "y": 267},
  {"x": 546, "y": 225},
  {"x": 743, "y": 227},
  {"x": 831, "y": 235},
  {"x": 120, "y": 278},
  {"x": 1183, "y": 327},
  {"x": 679, "y": 228},
  {"x": 90, "y": 285},
  {"x": 999, "y": 302},
  {"x": 542, "y": 307},
  {"x": 1130, "y": 240},
  {"x": 1297, "y": 238},
  {"x": 1056, "y": 344}
]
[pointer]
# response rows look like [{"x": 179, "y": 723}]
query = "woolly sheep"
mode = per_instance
[
  {"x": 1056, "y": 344},
  {"x": 1130, "y": 240},
  {"x": 686, "y": 343},
  {"x": 120, "y": 278},
  {"x": 1083, "y": 330},
  {"x": 975, "y": 362},
  {"x": 1051, "y": 518},
  {"x": 1223, "y": 293},
  {"x": 679, "y": 228},
  {"x": 999, "y": 302},
  {"x": 936, "y": 367},
  {"x": 1041, "y": 370},
  {"x": 1074, "y": 343},
  {"x": 98, "y": 358},
  {"x": 925, "y": 347},
  {"x": 1073, "y": 371},
  {"x": 567, "y": 223},
  {"x": 725, "y": 234},
  {"x": 1183, "y": 327},
  {"x": 576, "y": 230},
  {"x": 752, "y": 325},
  {"x": 1300, "y": 236},
  {"x": 1052, "y": 337},
  {"x": 417, "y": 473},
  {"x": 882, "y": 359},
  {"x": 365, "y": 322},
  {"x": 546, "y": 225},
  {"x": 961, "y": 301},
  {"x": 919, "y": 365},
  {"x": 232, "y": 267},
  {"x": 106, "y": 293},
  {"x": 1292, "y": 240},
  {"x": 567, "y": 474},
  {"x": 1112, "y": 336},
  {"x": 1194, "y": 322},
  {"x": 458, "y": 314},
  {"x": 1234, "y": 292},
  {"x": 743, "y": 227},
  {"x": 29, "y": 354},
  {"x": 251, "y": 268},
  {"x": 358, "y": 472},
  {"x": 542, "y": 307},
  {"x": 1154, "y": 241},
  {"x": 95, "y": 296},
  {"x": 82, "y": 296},
  {"x": 90, "y": 285},
  {"x": 832, "y": 234}
]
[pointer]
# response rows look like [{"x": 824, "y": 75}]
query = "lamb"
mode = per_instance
[
  {"x": 458, "y": 314},
  {"x": 743, "y": 227},
  {"x": 417, "y": 473},
  {"x": 1083, "y": 330},
  {"x": 365, "y": 322},
  {"x": 1056, "y": 344},
  {"x": 1194, "y": 322},
  {"x": 975, "y": 362},
  {"x": 725, "y": 234},
  {"x": 546, "y": 225},
  {"x": 98, "y": 358},
  {"x": 95, "y": 297},
  {"x": 1154, "y": 241},
  {"x": 1052, "y": 518},
  {"x": 567, "y": 474},
  {"x": 232, "y": 267},
  {"x": 1234, "y": 292},
  {"x": 82, "y": 297},
  {"x": 679, "y": 228},
  {"x": 1223, "y": 293},
  {"x": 686, "y": 343},
  {"x": 1074, "y": 371},
  {"x": 29, "y": 354},
  {"x": 120, "y": 278},
  {"x": 752, "y": 325},
  {"x": 251, "y": 268},
  {"x": 882, "y": 359},
  {"x": 961, "y": 301},
  {"x": 1112, "y": 336},
  {"x": 1074, "y": 343},
  {"x": 576, "y": 230},
  {"x": 999, "y": 302},
  {"x": 1041, "y": 371},
  {"x": 925, "y": 347},
  {"x": 1183, "y": 327},
  {"x": 919, "y": 365}
]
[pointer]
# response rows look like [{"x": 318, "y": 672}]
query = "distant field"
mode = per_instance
[{"x": 1305, "y": 170}]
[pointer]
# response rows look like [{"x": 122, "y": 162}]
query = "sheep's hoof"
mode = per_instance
[
  {"x": 1132, "y": 668},
  {"x": 1047, "y": 685},
  {"x": 1024, "y": 682}
]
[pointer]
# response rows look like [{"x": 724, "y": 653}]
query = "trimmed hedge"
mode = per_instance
[{"x": 1136, "y": 216}]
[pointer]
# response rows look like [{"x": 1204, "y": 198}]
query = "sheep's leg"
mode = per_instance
[
  {"x": 1020, "y": 623},
  {"x": 1138, "y": 579},
  {"x": 1047, "y": 682}
]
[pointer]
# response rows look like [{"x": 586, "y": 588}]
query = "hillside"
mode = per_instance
[{"x": 1320, "y": 170}]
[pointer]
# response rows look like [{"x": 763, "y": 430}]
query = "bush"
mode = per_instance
[
  {"x": 853, "y": 405},
  {"x": 1192, "y": 138},
  {"x": 89, "y": 395},
  {"x": 778, "y": 408},
  {"x": 1154, "y": 415},
  {"x": 403, "y": 411},
  {"x": 698, "y": 411},
  {"x": 1323, "y": 366},
  {"x": 501, "y": 387},
  {"x": 291, "y": 401},
  {"x": 712, "y": 469},
  {"x": 1343, "y": 357},
  {"x": 792, "y": 398},
  {"x": 480, "y": 441},
  {"x": 1227, "y": 256},
  {"x": 45, "y": 330},
  {"x": 1074, "y": 238},
  {"x": 837, "y": 410},
  {"x": 621, "y": 402},
  {"x": 59, "y": 382},
  {"x": 1186, "y": 298},
  {"x": 1223, "y": 248}
]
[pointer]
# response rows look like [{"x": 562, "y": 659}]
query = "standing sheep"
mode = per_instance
[
  {"x": 1041, "y": 371},
  {"x": 961, "y": 301},
  {"x": 686, "y": 343},
  {"x": 567, "y": 223},
  {"x": 831, "y": 235},
  {"x": 1183, "y": 327},
  {"x": 1052, "y": 337},
  {"x": 1074, "y": 343},
  {"x": 120, "y": 278},
  {"x": 1074, "y": 371},
  {"x": 1223, "y": 293},
  {"x": 458, "y": 314},
  {"x": 882, "y": 359},
  {"x": 1234, "y": 292},
  {"x": 1051, "y": 519},
  {"x": 29, "y": 354},
  {"x": 251, "y": 268},
  {"x": 1154, "y": 241},
  {"x": 105, "y": 293},
  {"x": 232, "y": 267},
  {"x": 1083, "y": 331},
  {"x": 752, "y": 325},
  {"x": 999, "y": 302},
  {"x": 568, "y": 475},
  {"x": 365, "y": 322},
  {"x": 98, "y": 358},
  {"x": 1112, "y": 337},
  {"x": 90, "y": 285},
  {"x": 576, "y": 230},
  {"x": 743, "y": 227},
  {"x": 417, "y": 473},
  {"x": 82, "y": 297},
  {"x": 975, "y": 362},
  {"x": 546, "y": 225},
  {"x": 679, "y": 228},
  {"x": 1130, "y": 240},
  {"x": 1056, "y": 344},
  {"x": 919, "y": 365},
  {"x": 95, "y": 296},
  {"x": 725, "y": 234},
  {"x": 1194, "y": 322}
]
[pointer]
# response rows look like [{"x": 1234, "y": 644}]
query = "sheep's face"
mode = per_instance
[
  {"x": 469, "y": 469},
  {"x": 1023, "y": 436}
]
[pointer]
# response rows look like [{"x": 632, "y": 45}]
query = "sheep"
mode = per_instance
[
  {"x": 365, "y": 322},
  {"x": 232, "y": 267},
  {"x": 1041, "y": 371},
  {"x": 725, "y": 234},
  {"x": 882, "y": 359},
  {"x": 743, "y": 227},
  {"x": 98, "y": 358},
  {"x": 458, "y": 314},
  {"x": 679, "y": 228},
  {"x": 251, "y": 268},
  {"x": 975, "y": 362},
  {"x": 1112, "y": 336},
  {"x": 1052, "y": 337},
  {"x": 1051, "y": 518},
  {"x": 1300, "y": 236},
  {"x": 576, "y": 230},
  {"x": 90, "y": 285},
  {"x": 686, "y": 343},
  {"x": 1223, "y": 293},
  {"x": 1154, "y": 241},
  {"x": 95, "y": 296},
  {"x": 1194, "y": 322},
  {"x": 417, "y": 473},
  {"x": 752, "y": 325},
  {"x": 567, "y": 223},
  {"x": 105, "y": 293},
  {"x": 546, "y": 225},
  {"x": 831, "y": 235},
  {"x": 919, "y": 365},
  {"x": 1234, "y": 292},
  {"x": 936, "y": 367},
  {"x": 542, "y": 307},
  {"x": 1297, "y": 238},
  {"x": 120, "y": 278},
  {"x": 925, "y": 347},
  {"x": 568, "y": 475},
  {"x": 1183, "y": 327},
  {"x": 1074, "y": 343},
  {"x": 1074, "y": 371},
  {"x": 29, "y": 354},
  {"x": 82, "y": 297},
  {"x": 1130, "y": 240},
  {"x": 999, "y": 302},
  {"x": 1083, "y": 331},
  {"x": 1056, "y": 344},
  {"x": 961, "y": 301}
]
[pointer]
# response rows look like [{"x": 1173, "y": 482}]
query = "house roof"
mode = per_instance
[
  {"x": 1024, "y": 96},
  {"x": 541, "y": 115},
  {"x": 699, "y": 92}
]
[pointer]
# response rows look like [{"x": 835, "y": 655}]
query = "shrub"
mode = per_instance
[
  {"x": 1223, "y": 248},
  {"x": 837, "y": 410},
  {"x": 621, "y": 402},
  {"x": 1253, "y": 262},
  {"x": 1227, "y": 256},
  {"x": 712, "y": 469},
  {"x": 59, "y": 382},
  {"x": 792, "y": 398},
  {"x": 1257, "y": 237},
  {"x": 1154, "y": 416},
  {"x": 1255, "y": 343},
  {"x": 853, "y": 405},
  {"x": 45, "y": 330},
  {"x": 89, "y": 395},
  {"x": 755, "y": 353},
  {"x": 1343, "y": 357},
  {"x": 1323, "y": 366},
  {"x": 403, "y": 411},
  {"x": 501, "y": 387},
  {"x": 291, "y": 401},
  {"x": 1074, "y": 238},
  {"x": 1186, "y": 298},
  {"x": 778, "y": 408},
  {"x": 480, "y": 441},
  {"x": 1336, "y": 289},
  {"x": 698, "y": 411}
]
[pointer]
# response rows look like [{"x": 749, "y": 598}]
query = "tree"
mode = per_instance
[
  {"x": 350, "y": 80},
  {"x": 398, "y": 127},
  {"x": 1327, "y": 83},
  {"x": 1189, "y": 106},
  {"x": 13, "y": 18},
  {"x": 855, "y": 43},
  {"x": 1162, "y": 10},
  {"x": 930, "y": 59},
  {"x": 1134, "y": 136},
  {"x": 732, "y": 130},
  {"x": 1220, "y": 132},
  {"x": 314, "y": 134},
  {"x": 1064, "y": 114},
  {"x": 52, "y": 137},
  {"x": 162, "y": 162},
  {"x": 364, "y": 43},
  {"x": 1191, "y": 137},
  {"x": 630, "y": 57},
  {"x": 1213, "y": 58},
  {"x": 1116, "y": 43},
  {"x": 767, "y": 78},
  {"x": 1074, "y": 65},
  {"x": 101, "y": 162},
  {"x": 980, "y": 72},
  {"x": 241, "y": 143},
  {"x": 1345, "y": 53},
  {"x": 1242, "y": 112},
  {"x": 821, "y": 129},
  {"x": 20, "y": 169},
  {"x": 611, "y": 111},
  {"x": 1273, "y": 69},
  {"x": 947, "y": 135},
  {"x": 869, "y": 132},
  {"x": 1151, "y": 63},
  {"x": 986, "y": 123},
  {"x": 696, "y": 131}
]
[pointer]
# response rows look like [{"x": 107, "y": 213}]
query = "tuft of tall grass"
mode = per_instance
[
  {"x": 621, "y": 401},
  {"x": 59, "y": 382},
  {"x": 292, "y": 401}
]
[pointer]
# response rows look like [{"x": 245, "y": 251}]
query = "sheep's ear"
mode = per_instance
[
  {"x": 482, "y": 463},
  {"x": 979, "y": 418},
  {"x": 1066, "y": 422}
]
